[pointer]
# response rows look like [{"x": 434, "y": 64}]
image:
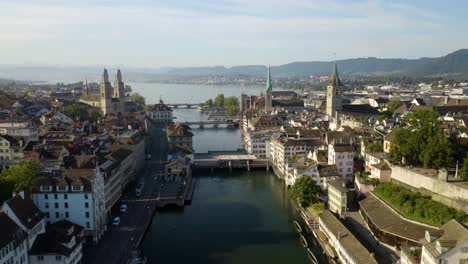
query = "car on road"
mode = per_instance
[
  {"x": 116, "y": 221},
  {"x": 123, "y": 208},
  {"x": 148, "y": 157}
]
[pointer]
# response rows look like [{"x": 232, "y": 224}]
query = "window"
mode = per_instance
[
  {"x": 40, "y": 258},
  {"x": 67, "y": 215},
  {"x": 66, "y": 205},
  {"x": 57, "y": 215},
  {"x": 58, "y": 257},
  {"x": 86, "y": 196},
  {"x": 86, "y": 205},
  {"x": 46, "y": 196},
  {"x": 87, "y": 214},
  {"x": 87, "y": 225},
  {"x": 56, "y": 205},
  {"x": 55, "y": 196},
  {"x": 65, "y": 196},
  {"x": 46, "y": 205}
]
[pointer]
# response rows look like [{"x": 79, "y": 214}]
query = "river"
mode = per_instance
[{"x": 239, "y": 217}]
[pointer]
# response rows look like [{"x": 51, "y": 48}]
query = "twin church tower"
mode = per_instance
[{"x": 109, "y": 100}]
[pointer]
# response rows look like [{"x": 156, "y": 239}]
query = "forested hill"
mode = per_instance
[{"x": 453, "y": 65}]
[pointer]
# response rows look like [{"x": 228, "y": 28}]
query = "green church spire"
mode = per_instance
[
  {"x": 268, "y": 82},
  {"x": 334, "y": 80}
]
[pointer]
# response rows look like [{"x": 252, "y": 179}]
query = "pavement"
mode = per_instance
[{"x": 119, "y": 242}]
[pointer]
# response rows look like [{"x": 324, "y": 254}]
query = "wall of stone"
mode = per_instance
[{"x": 453, "y": 194}]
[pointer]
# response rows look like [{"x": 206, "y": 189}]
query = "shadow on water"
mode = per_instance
[{"x": 233, "y": 219}]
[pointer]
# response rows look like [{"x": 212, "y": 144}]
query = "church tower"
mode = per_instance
[
  {"x": 334, "y": 97},
  {"x": 269, "y": 93},
  {"x": 119, "y": 91},
  {"x": 106, "y": 93}
]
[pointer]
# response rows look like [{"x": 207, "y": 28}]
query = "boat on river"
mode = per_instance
[
  {"x": 304, "y": 241},
  {"x": 298, "y": 226},
  {"x": 311, "y": 256}
]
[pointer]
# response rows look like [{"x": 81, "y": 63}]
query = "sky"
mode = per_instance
[{"x": 187, "y": 33}]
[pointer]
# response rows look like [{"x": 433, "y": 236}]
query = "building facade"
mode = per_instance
[
  {"x": 342, "y": 155},
  {"x": 76, "y": 196},
  {"x": 161, "y": 113}
]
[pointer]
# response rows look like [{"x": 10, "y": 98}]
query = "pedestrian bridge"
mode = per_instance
[
  {"x": 228, "y": 160},
  {"x": 179, "y": 105},
  {"x": 214, "y": 123}
]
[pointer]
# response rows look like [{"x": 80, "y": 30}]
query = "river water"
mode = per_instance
[{"x": 239, "y": 217}]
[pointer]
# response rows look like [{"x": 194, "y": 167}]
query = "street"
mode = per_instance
[{"x": 119, "y": 242}]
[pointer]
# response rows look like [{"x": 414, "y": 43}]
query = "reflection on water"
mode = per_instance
[{"x": 234, "y": 218}]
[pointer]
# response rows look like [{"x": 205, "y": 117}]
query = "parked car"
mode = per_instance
[
  {"x": 123, "y": 208},
  {"x": 116, "y": 221}
]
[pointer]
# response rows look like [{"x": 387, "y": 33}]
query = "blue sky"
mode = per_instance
[{"x": 144, "y": 33}]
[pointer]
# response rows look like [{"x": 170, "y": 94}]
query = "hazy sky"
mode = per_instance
[{"x": 143, "y": 33}]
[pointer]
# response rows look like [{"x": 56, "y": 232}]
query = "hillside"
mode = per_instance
[{"x": 453, "y": 65}]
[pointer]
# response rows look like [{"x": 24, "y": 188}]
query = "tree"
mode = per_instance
[
  {"x": 393, "y": 105},
  {"x": 305, "y": 191},
  {"x": 77, "y": 112},
  {"x": 209, "y": 102},
  {"x": 424, "y": 142},
  {"x": 464, "y": 169},
  {"x": 219, "y": 100},
  {"x": 20, "y": 176},
  {"x": 231, "y": 100},
  {"x": 139, "y": 99},
  {"x": 374, "y": 147},
  {"x": 232, "y": 110}
]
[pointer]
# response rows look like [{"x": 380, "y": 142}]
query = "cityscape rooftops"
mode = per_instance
[
  {"x": 450, "y": 235},
  {"x": 25, "y": 210},
  {"x": 11, "y": 232}
]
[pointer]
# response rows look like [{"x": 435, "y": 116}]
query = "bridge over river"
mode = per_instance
[{"x": 214, "y": 123}]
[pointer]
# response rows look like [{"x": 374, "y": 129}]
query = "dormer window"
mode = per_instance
[
  {"x": 62, "y": 188},
  {"x": 77, "y": 188},
  {"x": 46, "y": 188}
]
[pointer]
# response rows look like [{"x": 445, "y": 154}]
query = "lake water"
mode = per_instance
[
  {"x": 242, "y": 217},
  {"x": 189, "y": 93}
]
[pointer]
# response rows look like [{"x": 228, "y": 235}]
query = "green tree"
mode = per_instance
[
  {"x": 95, "y": 116},
  {"x": 393, "y": 105},
  {"x": 209, "y": 102},
  {"x": 231, "y": 100},
  {"x": 19, "y": 176},
  {"x": 219, "y": 100},
  {"x": 305, "y": 191},
  {"x": 139, "y": 99},
  {"x": 232, "y": 110},
  {"x": 374, "y": 147},
  {"x": 77, "y": 112},
  {"x": 464, "y": 169}
]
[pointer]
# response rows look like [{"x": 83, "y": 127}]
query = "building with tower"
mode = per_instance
[
  {"x": 334, "y": 96},
  {"x": 110, "y": 99},
  {"x": 269, "y": 93}
]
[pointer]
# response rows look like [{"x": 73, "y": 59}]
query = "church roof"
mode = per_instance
[
  {"x": 334, "y": 79},
  {"x": 268, "y": 82},
  {"x": 90, "y": 97}
]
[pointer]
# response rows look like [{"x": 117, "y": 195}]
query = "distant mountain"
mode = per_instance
[{"x": 453, "y": 65}]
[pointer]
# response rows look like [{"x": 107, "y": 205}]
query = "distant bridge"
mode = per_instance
[
  {"x": 214, "y": 123},
  {"x": 185, "y": 105}
]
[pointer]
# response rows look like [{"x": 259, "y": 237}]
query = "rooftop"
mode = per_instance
[{"x": 347, "y": 240}]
